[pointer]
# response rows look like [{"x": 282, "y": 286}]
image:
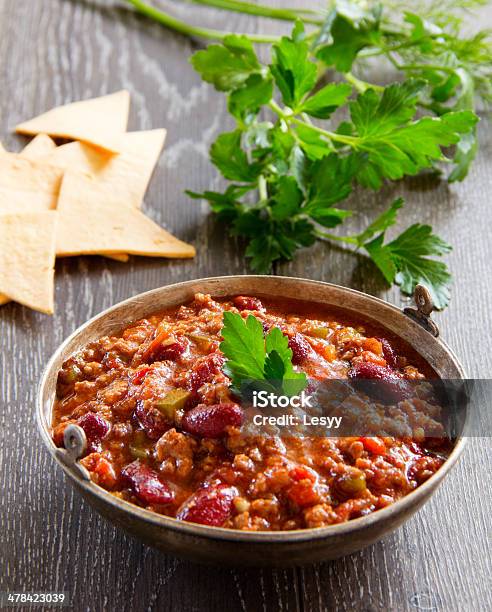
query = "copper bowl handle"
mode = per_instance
[
  {"x": 75, "y": 442},
  {"x": 422, "y": 314}
]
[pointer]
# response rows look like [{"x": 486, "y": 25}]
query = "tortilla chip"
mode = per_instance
[
  {"x": 125, "y": 176},
  {"x": 27, "y": 258},
  {"x": 92, "y": 223},
  {"x": 27, "y": 185},
  {"x": 99, "y": 121},
  {"x": 4, "y": 299},
  {"x": 40, "y": 145}
]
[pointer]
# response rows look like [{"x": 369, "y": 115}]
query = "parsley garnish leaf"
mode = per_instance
[
  {"x": 406, "y": 262},
  {"x": 228, "y": 157},
  {"x": 325, "y": 101},
  {"x": 293, "y": 71},
  {"x": 253, "y": 360},
  {"x": 229, "y": 65},
  {"x": 348, "y": 40}
]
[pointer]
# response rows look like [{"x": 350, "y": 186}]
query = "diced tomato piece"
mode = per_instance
[
  {"x": 374, "y": 445},
  {"x": 301, "y": 473},
  {"x": 140, "y": 375},
  {"x": 146, "y": 484},
  {"x": 105, "y": 471},
  {"x": 303, "y": 493},
  {"x": 209, "y": 506}
]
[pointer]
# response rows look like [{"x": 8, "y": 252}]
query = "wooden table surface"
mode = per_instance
[{"x": 56, "y": 51}]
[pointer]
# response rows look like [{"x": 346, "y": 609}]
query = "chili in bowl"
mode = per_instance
[{"x": 165, "y": 452}]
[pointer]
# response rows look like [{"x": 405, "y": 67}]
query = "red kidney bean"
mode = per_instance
[
  {"x": 171, "y": 351},
  {"x": 380, "y": 382},
  {"x": 244, "y": 302},
  {"x": 150, "y": 420},
  {"x": 300, "y": 348},
  {"x": 212, "y": 421},
  {"x": 95, "y": 428},
  {"x": 388, "y": 353},
  {"x": 204, "y": 370},
  {"x": 209, "y": 506},
  {"x": 146, "y": 484}
]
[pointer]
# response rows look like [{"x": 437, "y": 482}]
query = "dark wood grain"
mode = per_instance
[{"x": 56, "y": 51}]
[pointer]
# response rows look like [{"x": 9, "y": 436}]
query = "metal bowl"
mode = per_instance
[{"x": 218, "y": 545}]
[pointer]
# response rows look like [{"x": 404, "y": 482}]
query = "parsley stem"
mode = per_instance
[
  {"x": 445, "y": 69},
  {"x": 361, "y": 86},
  {"x": 348, "y": 140},
  {"x": 327, "y": 236},
  {"x": 262, "y": 188},
  {"x": 185, "y": 28},
  {"x": 283, "y": 14}
]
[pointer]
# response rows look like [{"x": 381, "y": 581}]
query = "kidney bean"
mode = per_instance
[
  {"x": 380, "y": 382},
  {"x": 209, "y": 506},
  {"x": 204, "y": 370},
  {"x": 244, "y": 302},
  {"x": 146, "y": 484},
  {"x": 388, "y": 353},
  {"x": 212, "y": 421},
  {"x": 95, "y": 428},
  {"x": 170, "y": 351},
  {"x": 150, "y": 420},
  {"x": 300, "y": 348}
]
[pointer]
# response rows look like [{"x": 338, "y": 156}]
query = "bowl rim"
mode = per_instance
[{"x": 223, "y": 533}]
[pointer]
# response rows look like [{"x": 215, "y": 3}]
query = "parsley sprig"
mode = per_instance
[
  {"x": 291, "y": 162},
  {"x": 255, "y": 361},
  {"x": 288, "y": 174}
]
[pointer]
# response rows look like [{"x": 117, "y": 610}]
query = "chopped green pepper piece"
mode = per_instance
[
  {"x": 172, "y": 401},
  {"x": 201, "y": 340},
  {"x": 353, "y": 483},
  {"x": 72, "y": 374},
  {"x": 139, "y": 452},
  {"x": 319, "y": 332}
]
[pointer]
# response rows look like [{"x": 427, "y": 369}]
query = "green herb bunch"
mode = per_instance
[{"x": 291, "y": 161}]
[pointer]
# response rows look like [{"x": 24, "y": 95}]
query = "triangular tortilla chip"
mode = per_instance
[
  {"x": 4, "y": 299},
  {"x": 27, "y": 258},
  {"x": 125, "y": 176},
  {"x": 99, "y": 121},
  {"x": 27, "y": 185},
  {"x": 39, "y": 146},
  {"x": 92, "y": 224}
]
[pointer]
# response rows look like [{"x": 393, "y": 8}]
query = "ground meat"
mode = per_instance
[{"x": 175, "y": 450}]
